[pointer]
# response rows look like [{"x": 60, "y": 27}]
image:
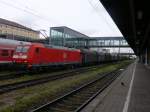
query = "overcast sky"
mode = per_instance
[{"x": 86, "y": 16}]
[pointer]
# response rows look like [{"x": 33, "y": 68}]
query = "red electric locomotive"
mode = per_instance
[{"x": 37, "y": 54}]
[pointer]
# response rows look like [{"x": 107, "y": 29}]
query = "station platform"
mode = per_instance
[{"x": 130, "y": 92}]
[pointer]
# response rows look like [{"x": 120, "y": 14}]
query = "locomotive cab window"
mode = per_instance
[
  {"x": 22, "y": 49},
  {"x": 25, "y": 49},
  {"x": 19, "y": 49}
]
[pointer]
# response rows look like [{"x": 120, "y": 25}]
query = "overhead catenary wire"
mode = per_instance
[
  {"x": 20, "y": 9},
  {"x": 28, "y": 10},
  {"x": 95, "y": 5}
]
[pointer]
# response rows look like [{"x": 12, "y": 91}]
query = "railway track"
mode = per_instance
[
  {"x": 76, "y": 100},
  {"x": 44, "y": 79},
  {"x": 13, "y": 75}
]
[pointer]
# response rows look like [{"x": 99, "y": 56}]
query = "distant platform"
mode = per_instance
[{"x": 133, "y": 96}]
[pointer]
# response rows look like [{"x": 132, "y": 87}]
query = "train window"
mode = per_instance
[
  {"x": 4, "y": 53},
  {"x": 22, "y": 49},
  {"x": 25, "y": 49},
  {"x": 37, "y": 50},
  {"x": 19, "y": 49}
]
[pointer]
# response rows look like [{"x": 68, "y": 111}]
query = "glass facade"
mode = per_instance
[
  {"x": 57, "y": 38},
  {"x": 63, "y": 36}
]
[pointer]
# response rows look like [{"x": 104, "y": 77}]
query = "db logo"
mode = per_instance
[{"x": 65, "y": 55}]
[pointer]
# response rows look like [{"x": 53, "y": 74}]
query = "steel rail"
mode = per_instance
[
  {"x": 11, "y": 75},
  {"x": 19, "y": 85},
  {"x": 69, "y": 102}
]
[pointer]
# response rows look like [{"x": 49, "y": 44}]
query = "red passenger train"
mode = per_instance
[
  {"x": 6, "y": 53},
  {"x": 36, "y": 54},
  {"x": 7, "y": 48}
]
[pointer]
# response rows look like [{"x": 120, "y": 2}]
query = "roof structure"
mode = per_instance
[
  {"x": 69, "y": 30},
  {"x": 133, "y": 19},
  {"x": 11, "y": 23}
]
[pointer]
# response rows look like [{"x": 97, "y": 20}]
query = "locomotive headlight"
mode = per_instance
[
  {"x": 24, "y": 56},
  {"x": 15, "y": 56}
]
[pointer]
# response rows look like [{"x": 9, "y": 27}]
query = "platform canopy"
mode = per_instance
[{"x": 133, "y": 19}]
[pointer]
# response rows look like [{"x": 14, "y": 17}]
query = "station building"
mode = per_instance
[
  {"x": 13, "y": 30},
  {"x": 64, "y": 36}
]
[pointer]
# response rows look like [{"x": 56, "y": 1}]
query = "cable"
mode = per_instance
[
  {"x": 21, "y": 9},
  {"x": 27, "y": 10},
  {"x": 95, "y": 6}
]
